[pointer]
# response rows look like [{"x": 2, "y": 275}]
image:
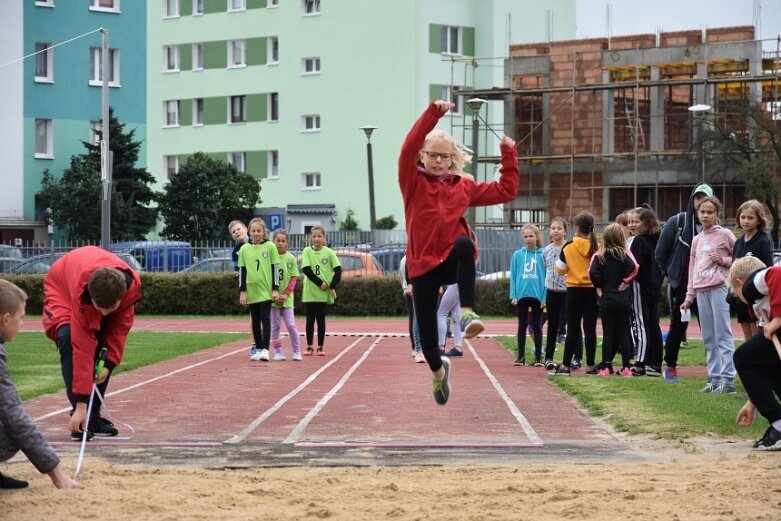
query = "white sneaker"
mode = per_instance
[
  {"x": 279, "y": 356},
  {"x": 420, "y": 358},
  {"x": 255, "y": 356},
  {"x": 253, "y": 352},
  {"x": 414, "y": 352},
  {"x": 297, "y": 356},
  {"x": 263, "y": 355}
]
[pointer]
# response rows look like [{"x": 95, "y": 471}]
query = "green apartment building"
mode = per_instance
[{"x": 280, "y": 88}]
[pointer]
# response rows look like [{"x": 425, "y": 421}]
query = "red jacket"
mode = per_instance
[
  {"x": 434, "y": 207},
  {"x": 66, "y": 301}
]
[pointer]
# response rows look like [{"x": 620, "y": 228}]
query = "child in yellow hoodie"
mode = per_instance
[{"x": 581, "y": 295}]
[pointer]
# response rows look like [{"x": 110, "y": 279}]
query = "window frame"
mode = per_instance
[
  {"x": 242, "y": 99},
  {"x": 272, "y": 50},
  {"x": 447, "y": 94},
  {"x": 315, "y": 119},
  {"x": 446, "y": 41},
  {"x": 48, "y": 152},
  {"x": 95, "y": 126},
  {"x": 168, "y": 12},
  {"x": 167, "y": 166},
  {"x": 315, "y": 60},
  {"x": 317, "y": 181},
  {"x": 232, "y": 46},
  {"x": 273, "y": 164},
  {"x": 242, "y": 159},
  {"x": 196, "y": 10},
  {"x": 198, "y": 105},
  {"x": 47, "y": 56},
  {"x": 273, "y": 107},
  {"x": 44, "y": 3},
  {"x": 95, "y": 64},
  {"x": 197, "y": 56},
  {"x": 272, "y": 4},
  {"x": 94, "y": 5},
  {"x": 315, "y": 10},
  {"x": 232, "y": 9},
  {"x": 166, "y": 120},
  {"x": 167, "y": 58}
]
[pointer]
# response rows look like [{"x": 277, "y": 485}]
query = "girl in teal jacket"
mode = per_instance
[{"x": 527, "y": 290}]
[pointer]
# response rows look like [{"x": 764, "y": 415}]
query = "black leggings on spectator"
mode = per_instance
[
  {"x": 581, "y": 306},
  {"x": 458, "y": 267},
  {"x": 616, "y": 324},
  {"x": 554, "y": 303},
  {"x": 759, "y": 368},
  {"x": 529, "y": 306},
  {"x": 315, "y": 312},
  {"x": 677, "y": 331},
  {"x": 260, "y": 314}
]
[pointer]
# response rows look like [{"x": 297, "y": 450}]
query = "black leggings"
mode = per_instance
[
  {"x": 759, "y": 369},
  {"x": 555, "y": 302},
  {"x": 616, "y": 336},
  {"x": 581, "y": 306},
  {"x": 315, "y": 312},
  {"x": 525, "y": 307},
  {"x": 260, "y": 314},
  {"x": 65, "y": 348},
  {"x": 459, "y": 267},
  {"x": 677, "y": 331}
]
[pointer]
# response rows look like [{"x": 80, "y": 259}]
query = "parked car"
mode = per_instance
[
  {"x": 356, "y": 263},
  {"x": 158, "y": 255},
  {"x": 211, "y": 265},
  {"x": 40, "y": 264},
  {"x": 9, "y": 255},
  {"x": 390, "y": 258}
]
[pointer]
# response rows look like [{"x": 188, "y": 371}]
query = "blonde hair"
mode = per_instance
[
  {"x": 11, "y": 297},
  {"x": 613, "y": 242},
  {"x": 317, "y": 227},
  {"x": 623, "y": 218},
  {"x": 234, "y": 223},
  {"x": 460, "y": 158},
  {"x": 759, "y": 210},
  {"x": 536, "y": 231},
  {"x": 258, "y": 220},
  {"x": 559, "y": 220},
  {"x": 741, "y": 269}
]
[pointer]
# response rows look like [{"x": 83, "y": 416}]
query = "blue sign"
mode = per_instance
[{"x": 275, "y": 222}]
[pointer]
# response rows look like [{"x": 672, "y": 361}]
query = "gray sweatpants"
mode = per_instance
[
  {"x": 449, "y": 304},
  {"x": 717, "y": 334}
]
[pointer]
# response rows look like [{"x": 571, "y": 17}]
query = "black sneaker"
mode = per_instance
[
  {"x": 77, "y": 436},
  {"x": 441, "y": 386},
  {"x": 538, "y": 362},
  {"x": 653, "y": 371},
  {"x": 521, "y": 360},
  {"x": 593, "y": 371},
  {"x": 771, "y": 440},
  {"x": 560, "y": 370},
  {"x": 104, "y": 428},
  {"x": 454, "y": 352},
  {"x": 638, "y": 371},
  {"x": 550, "y": 365},
  {"x": 577, "y": 363},
  {"x": 8, "y": 482}
]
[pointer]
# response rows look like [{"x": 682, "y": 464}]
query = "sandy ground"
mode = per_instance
[{"x": 685, "y": 482}]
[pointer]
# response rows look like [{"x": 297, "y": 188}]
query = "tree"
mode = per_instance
[
  {"x": 349, "y": 224},
  {"x": 75, "y": 199},
  {"x": 386, "y": 223},
  {"x": 204, "y": 197},
  {"x": 748, "y": 143}
]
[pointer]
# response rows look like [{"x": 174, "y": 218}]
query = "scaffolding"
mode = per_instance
[{"x": 605, "y": 125}]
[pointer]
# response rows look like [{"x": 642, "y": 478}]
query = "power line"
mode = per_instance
[{"x": 51, "y": 47}]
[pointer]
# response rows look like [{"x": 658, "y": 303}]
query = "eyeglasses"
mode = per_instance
[{"x": 434, "y": 155}]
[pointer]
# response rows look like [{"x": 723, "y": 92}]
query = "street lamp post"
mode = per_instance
[
  {"x": 475, "y": 104},
  {"x": 699, "y": 110},
  {"x": 368, "y": 129}
]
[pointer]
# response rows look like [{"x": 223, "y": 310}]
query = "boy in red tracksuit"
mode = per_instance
[
  {"x": 440, "y": 252},
  {"x": 89, "y": 298}
]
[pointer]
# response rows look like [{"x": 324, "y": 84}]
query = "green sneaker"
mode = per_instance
[
  {"x": 441, "y": 386},
  {"x": 471, "y": 325}
]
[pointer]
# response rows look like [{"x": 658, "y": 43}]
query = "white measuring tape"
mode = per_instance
[{"x": 84, "y": 433}]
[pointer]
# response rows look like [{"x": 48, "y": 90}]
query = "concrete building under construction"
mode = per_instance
[{"x": 606, "y": 124}]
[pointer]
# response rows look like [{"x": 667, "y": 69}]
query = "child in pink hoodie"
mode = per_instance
[{"x": 711, "y": 258}]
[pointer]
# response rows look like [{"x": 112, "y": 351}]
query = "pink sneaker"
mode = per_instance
[
  {"x": 625, "y": 372},
  {"x": 603, "y": 372}
]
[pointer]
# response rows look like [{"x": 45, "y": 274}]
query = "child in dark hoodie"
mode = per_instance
[{"x": 611, "y": 271}]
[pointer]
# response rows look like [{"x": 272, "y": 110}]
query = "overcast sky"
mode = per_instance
[{"x": 648, "y": 16}]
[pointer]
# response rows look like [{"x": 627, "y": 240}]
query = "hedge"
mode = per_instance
[{"x": 215, "y": 294}]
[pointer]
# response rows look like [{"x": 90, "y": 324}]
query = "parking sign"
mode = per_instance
[{"x": 274, "y": 222}]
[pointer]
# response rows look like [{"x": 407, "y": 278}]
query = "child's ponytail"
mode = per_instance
[{"x": 585, "y": 222}]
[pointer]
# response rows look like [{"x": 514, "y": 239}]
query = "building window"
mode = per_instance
[
  {"x": 310, "y": 7},
  {"x": 171, "y": 58},
  {"x": 310, "y": 181},
  {"x": 171, "y": 113},
  {"x": 310, "y": 65},
  {"x": 44, "y": 62},
  {"x": 104, "y": 5},
  {"x": 170, "y": 8},
  {"x": 273, "y": 106},
  {"x": 447, "y": 94},
  {"x": 237, "y": 159},
  {"x": 273, "y": 164},
  {"x": 238, "y": 109},
  {"x": 310, "y": 123},
  {"x": 44, "y": 139},
  {"x": 198, "y": 112},
  {"x": 197, "y": 7},
  {"x": 273, "y": 3},
  {"x": 197, "y": 56},
  {"x": 451, "y": 40},
  {"x": 96, "y": 68},
  {"x": 171, "y": 167},
  {"x": 95, "y": 130},
  {"x": 236, "y": 53},
  {"x": 273, "y": 50},
  {"x": 44, "y": 3},
  {"x": 237, "y": 5}
]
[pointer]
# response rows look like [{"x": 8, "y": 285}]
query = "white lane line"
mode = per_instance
[
  {"x": 295, "y": 434},
  {"x": 249, "y": 429},
  {"x": 145, "y": 382},
  {"x": 520, "y": 418}
]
